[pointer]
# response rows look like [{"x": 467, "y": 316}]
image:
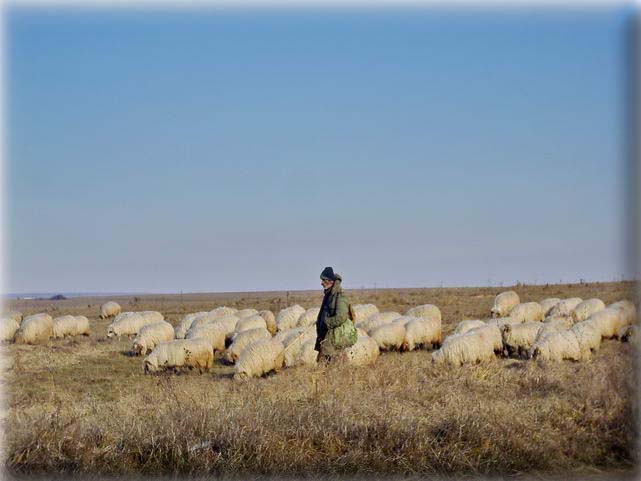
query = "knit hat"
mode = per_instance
[{"x": 328, "y": 274}]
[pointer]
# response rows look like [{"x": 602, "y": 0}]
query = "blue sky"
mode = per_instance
[{"x": 245, "y": 150}]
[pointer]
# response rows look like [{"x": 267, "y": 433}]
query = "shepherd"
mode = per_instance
[{"x": 335, "y": 329}]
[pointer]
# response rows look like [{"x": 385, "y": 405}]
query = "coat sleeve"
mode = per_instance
[{"x": 342, "y": 313}]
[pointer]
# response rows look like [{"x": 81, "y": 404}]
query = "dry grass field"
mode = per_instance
[{"x": 84, "y": 405}]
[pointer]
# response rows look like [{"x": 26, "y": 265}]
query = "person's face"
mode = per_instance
[{"x": 326, "y": 283}]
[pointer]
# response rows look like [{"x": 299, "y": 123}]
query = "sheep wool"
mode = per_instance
[
  {"x": 565, "y": 307},
  {"x": 363, "y": 311},
  {"x": 586, "y": 308},
  {"x": 294, "y": 342},
  {"x": 518, "y": 338},
  {"x": 464, "y": 326},
  {"x": 227, "y": 324},
  {"x": 242, "y": 339},
  {"x": 403, "y": 320},
  {"x": 588, "y": 335},
  {"x": 152, "y": 316},
  {"x": 628, "y": 311},
  {"x": 35, "y": 329},
  {"x": 557, "y": 346},
  {"x": 246, "y": 313},
  {"x": 502, "y": 321},
  {"x": 260, "y": 357},
  {"x": 191, "y": 353},
  {"x": 207, "y": 318},
  {"x": 150, "y": 336},
  {"x": 490, "y": 335},
  {"x": 527, "y": 312},
  {"x": 422, "y": 332},
  {"x": 307, "y": 356},
  {"x": 8, "y": 329},
  {"x": 552, "y": 324},
  {"x": 185, "y": 323},
  {"x": 109, "y": 309},
  {"x": 308, "y": 317},
  {"x": 608, "y": 321},
  {"x": 270, "y": 320},
  {"x": 548, "y": 303},
  {"x": 461, "y": 349},
  {"x": 224, "y": 311},
  {"x": 429, "y": 312},
  {"x": 15, "y": 315},
  {"x": 250, "y": 322},
  {"x": 503, "y": 303},
  {"x": 363, "y": 353},
  {"x": 288, "y": 317},
  {"x": 213, "y": 333},
  {"x": 389, "y": 336},
  {"x": 70, "y": 326},
  {"x": 129, "y": 325},
  {"x": 377, "y": 320}
]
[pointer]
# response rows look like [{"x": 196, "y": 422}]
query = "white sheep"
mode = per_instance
[
  {"x": 422, "y": 332},
  {"x": 294, "y": 341},
  {"x": 586, "y": 308},
  {"x": 552, "y": 324},
  {"x": 227, "y": 324},
  {"x": 548, "y": 303},
  {"x": 307, "y": 355},
  {"x": 628, "y": 311},
  {"x": 242, "y": 339},
  {"x": 150, "y": 336},
  {"x": 209, "y": 317},
  {"x": 588, "y": 335},
  {"x": 465, "y": 348},
  {"x": 109, "y": 309},
  {"x": 608, "y": 321},
  {"x": 213, "y": 333},
  {"x": 246, "y": 313},
  {"x": 308, "y": 317},
  {"x": 377, "y": 320},
  {"x": 489, "y": 334},
  {"x": 363, "y": 311},
  {"x": 224, "y": 311},
  {"x": 70, "y": 326},
  {"x": 250, "y": 322},
  {"x": 260, "y": 357},
  {"x": 270, "y": 320},
  {"x": 527, "y": 312},
  {"x": 15, "y": 315},
  {"x": 35, "y": 329},
  {"x": 8, "y": 328},
  {"x": 403, "y": 320},
  {"x": 557, "y": 346},
  {"x": 185, "y": 323},
  {"x": 464, "y": 326},
  {"x": 190, "y": 353},
  {"x": 152, "y": 316},
  {"x": 389, "y": 336},
  {"x": 429, "y": 312},
  {"x": 503, "y": 303},
  {"x": 363, "y": 353},
  {"x": 288, "y": 317},
  {"x": 519, "y": 338},
  {"x": 129, "y": 325},
  {"x": 565, "y": 307}
]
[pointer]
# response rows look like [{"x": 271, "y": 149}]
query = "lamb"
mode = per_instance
[
  {"x": 503, "y": 303},
  {"x": 464, "y": 326},
  {"x": 190, "y": 353},
  {"x": 270, "y": 320},
  {"x": 213, "y": 333},
  {"x": 363, "y": 311},
  {"x": 421, "y": 332},
  {"x": 519, "y": 338},
  {"x": 129, "y": 325},
  {"x": 527, "y": 311},
  {"x": 628, "y": 310},
  {"x": 243, "y": 339},
  {"x": 70, "y": 326},
  {"x": 308, "y": 317},
  {"x": 548, "y": 303},
  {"x": 250, "y": 322},
  {"x": 15, "y": 315},
  {"x": 557, "y": 346},
  {"x": 8, "y": 329},
  {"x": 466, "y": 348},
  {"x": 363, "y": 353},
  {"x": 109, "y": 309},
  {"x": 35, "y": 329},
  {"x": 260, "y": 357},
  {"x": 389, "y": 336},
  {"x": 288, "y": 317},
  {"x": 246, "y": 313},
  {"x": 429, "y": 312},
  {"x": 586, "y": 308},
  {"x": 565, "y": 307},
  {"x": 150, "y": 336},
  {"x": 588, "y": 335}
]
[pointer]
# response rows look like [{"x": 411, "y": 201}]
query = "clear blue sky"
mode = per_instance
[{"x": 245, "y": 150}]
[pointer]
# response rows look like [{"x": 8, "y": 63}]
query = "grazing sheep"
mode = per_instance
[
  {"x": 429, "y": 312},
  {"x": 489, "y": 334},
  {"x": 150, "y": 336},
  {"x": 8, "y": 328},
  {"x": 227, "y": 324},
  {"x": 208, "y": 318},
  {"x": 109, "y": 309},
  {"x": 403, "y": 320},
  {"x": 260, "y": 357},
  {"x": 288, "y": 317},
  {"x": 389, "y": 336},
  {"x": 503, "y": 303},
  {"x": 628, "y": 311},
  {"x": 628, "y": 334},
  {"x": 35, "y": 329},
  {"x": 565, "y": 307},
  {"x": 377, "y": 320},
  {"x": 70, "y": 326},
  {"x": 224, "y": 311},
  {"x": 242, "y": 339},
  {"x": 294, "y": 341},
  {"x": 185, "y": 323},
  {"x": 308, "y": 317},
  {"x": 250, "y": 322},
  {"x": 586, "y": 308},
  {"x": 152, "y": 316},
  {"x": 213, "y": 333},
  {"x": 363, "y": 311},
  {"x": 270, "y": 320},
  {"x": 527, "y": 312},
  {"x": 608, "y": 321},
  {"x": 557, "y": 346},
  {"x": 363, "y": 353},
  {"x": 15, "y": 315},
  {"x": 246, "y": 313},
  {"x": 190, "y": 353},
  {"x": 422, "y": 332},
  {"x": 129, "y": 325},
  {"x": 307, "y": 356},
  {"x": 588, "y": 335},
  {"x": 548, "y": 303},
  {"x": 519, "y": 338},
  {"x": 552, "y": 324},
  {"x": 466, "y": 348},
  {"x": 464, "y": 326}
]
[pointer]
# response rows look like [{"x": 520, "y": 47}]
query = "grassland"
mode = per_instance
[{"x": 84, "y": 406}]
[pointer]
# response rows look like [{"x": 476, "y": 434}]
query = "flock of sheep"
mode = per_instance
[{"x": 258, "y": 342}]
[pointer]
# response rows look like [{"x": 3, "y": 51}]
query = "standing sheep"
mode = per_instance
[
  {"x": 213, "y": 333},
  {"x": 363, "y": 311},
  {"x": 191, "y": 353},
  {"x": 185, "y": 323},
  {"x": 565, "y": 307},
  {"x": 260, "y": 357},
  {"x": 8, "y": 329},
  {"x": 150, "y": 336},
  {"x": 288, "y": 317},
  {"x": 552, "y": 324},
  {"x": 519, "y": 338},
  {"x": 270, "y": 320},
  {"x": 429, "y": 312},
  {"x": 548, "y": 303},
  {"x": 35, "y": 329},
  {"x": 557, "y": 346},
  {"x": 129, "y": 325},
  {"x": 527, "y": 311},
  {"x": 389, "y": 336},
  {"x": 588, "y": 337},
  {"x": 227, "y": 324},
  {"x": 109, "y": 309},
  {"x": 242, "y": 339},
  {"x": 70, "y": 326},
  {"x": 466, "y": 348},
  {"x": 250, "y": 322},
  {"x": 422, "y": 332},
  {"x": 363, "y": 353},
  {"x": 503, "y": 303},
  {"x": 608, "y": 321},
  {"x": 308, "y": 317},
  {"x": 628, "y": 311},
  {"x": 586, "y": 308}
]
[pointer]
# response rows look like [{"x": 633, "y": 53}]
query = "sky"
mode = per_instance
[{"x": 237, "y": 150}]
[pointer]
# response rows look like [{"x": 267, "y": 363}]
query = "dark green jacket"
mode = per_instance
[{"x": 333, "y": 313}]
